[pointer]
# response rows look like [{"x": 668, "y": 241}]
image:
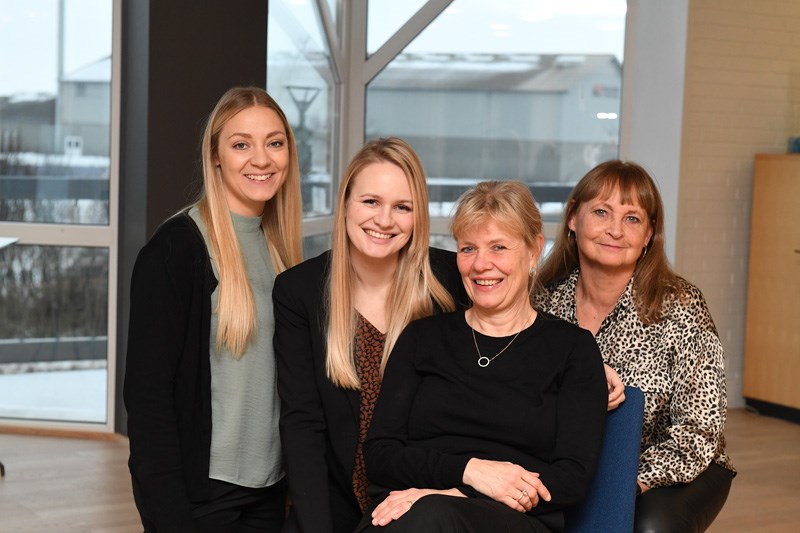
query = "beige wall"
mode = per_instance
[{"x": 742, "y": 97}]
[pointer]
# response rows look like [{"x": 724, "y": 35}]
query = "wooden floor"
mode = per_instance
[{"x": 73, "y": 485}]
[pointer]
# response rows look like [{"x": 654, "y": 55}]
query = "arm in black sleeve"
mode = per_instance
[
  {"x": 160, "y": 301},
  {"x": 582, "y": 402},
  {"x": 302, "y": 425},
  {"x": 391, "y": 460}
]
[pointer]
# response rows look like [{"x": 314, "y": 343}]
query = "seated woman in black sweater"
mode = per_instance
[{"x": 494, "y": 415}]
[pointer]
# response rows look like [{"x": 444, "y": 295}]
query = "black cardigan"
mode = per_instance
[
  {"x": 319, "y": 421},
  {"x": 167, "y": 388}
]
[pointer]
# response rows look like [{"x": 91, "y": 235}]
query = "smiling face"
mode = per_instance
[
  {"x": 252, "y": 156},
  {"x": 610, "y": 234},
  {"x": 494, "y": 264},
  {"x": 379, "y": 215}
]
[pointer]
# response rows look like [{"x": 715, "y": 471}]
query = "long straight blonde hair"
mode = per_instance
[
  {"x": 281, "y": 221},
  {"x": 414, "y": 283}
]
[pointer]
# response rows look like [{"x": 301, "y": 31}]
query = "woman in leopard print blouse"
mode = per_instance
[{"x": 609, "y": 273}]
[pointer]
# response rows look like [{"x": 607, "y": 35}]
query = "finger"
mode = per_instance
[
  {"x": 538, "y": 490},
  {"x": 393, "y": 510}
]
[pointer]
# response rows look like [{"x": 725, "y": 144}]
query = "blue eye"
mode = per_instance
[
  {"x": 240, "y": 146},
  {"x": 465, "y": 249},
  {"x": 600, "y": 212},
  {"x": 276, "y": 144},
  {"x": 633, "y": 219}
]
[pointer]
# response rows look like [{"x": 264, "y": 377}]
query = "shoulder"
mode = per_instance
[
  {"x": 310, "y": 273},
  {"x": 688, "y": 307},
  {"x": 554, "y": 325},
  {"x": 435, "y": 324},
  {"x": 177, "y": 239},
  {"x": 557, "y": 299},
  {"x": 442, "y": 257},
  {"x": 443, "y": 264}
]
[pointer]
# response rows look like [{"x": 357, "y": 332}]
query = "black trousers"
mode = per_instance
[
  {"x": 684, "y": 508},
  {"x": 450, "y": 514},
  {"x": 235, "y": 509}
]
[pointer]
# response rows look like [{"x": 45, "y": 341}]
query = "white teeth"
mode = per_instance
[
  {"x": 377, "y": 235},
  {"x": 258, "y": 177},
  {"x": 487, "y": 282}
]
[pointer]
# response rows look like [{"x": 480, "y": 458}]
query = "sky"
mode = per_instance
[
  {"x": 28, "y": 37},
  {"x": 487, "y": 26}
]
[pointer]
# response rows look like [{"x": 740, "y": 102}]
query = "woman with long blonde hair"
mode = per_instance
[
  {"x": 200, "y": 377},
  {"x": 337, "y": 318}
]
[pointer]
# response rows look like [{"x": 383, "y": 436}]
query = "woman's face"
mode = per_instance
[
  {"x": 252, "y": 155},
  {"x": 610, "y": 234},
  {"x": 379, "y": 214},
  {"x": 494, "y": 265}
]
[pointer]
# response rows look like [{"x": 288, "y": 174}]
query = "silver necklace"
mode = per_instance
[{"x": 484, "y": 361}]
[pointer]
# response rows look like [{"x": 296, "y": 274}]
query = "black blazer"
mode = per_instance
[{"x": 319, "y": 421}]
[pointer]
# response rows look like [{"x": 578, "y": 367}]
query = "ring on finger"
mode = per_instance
[
  {"x": 522, "y": 493},
  {"x": 410, "y": 503}
]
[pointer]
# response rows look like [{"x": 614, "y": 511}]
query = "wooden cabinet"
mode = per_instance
[{"x": 772, "y": 337}]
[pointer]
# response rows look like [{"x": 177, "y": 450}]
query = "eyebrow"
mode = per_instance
[
  {"x": 379, "y": 197},
  {"x": 250, "y": 136},
  {"x": 625, "y": 207}
]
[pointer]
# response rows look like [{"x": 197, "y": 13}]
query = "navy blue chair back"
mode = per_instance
[{"x": 610, "y": 504}]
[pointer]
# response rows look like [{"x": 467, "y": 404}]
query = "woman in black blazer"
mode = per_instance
[{"x": 337, "y": 317}]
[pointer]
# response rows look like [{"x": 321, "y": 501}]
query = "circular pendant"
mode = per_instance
[{"x": 483, "y": 362}]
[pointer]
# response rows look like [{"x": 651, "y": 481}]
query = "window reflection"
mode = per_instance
[
  {"x": 385, "y": 18},
  {"x": 55, "y": 118},
  {"x": 53, "y": 332},
  {"x": 55, "y": 131},
  {"x": 506, "y": 90},
  {"x": 301, "y": 79}
]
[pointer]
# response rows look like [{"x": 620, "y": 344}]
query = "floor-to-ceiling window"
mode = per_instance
[
  {"x": 57, "y": 210},
  {"x": 527, "y": 90},
  {"x": 302, "y": 37}
]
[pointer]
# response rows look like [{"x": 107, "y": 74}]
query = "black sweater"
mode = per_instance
[
  {"x": 167, "y": 389},
  {"x": 541, "y": 404}
]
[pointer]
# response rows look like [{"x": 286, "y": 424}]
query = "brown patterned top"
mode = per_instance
[{"x": 367, "y": 349}]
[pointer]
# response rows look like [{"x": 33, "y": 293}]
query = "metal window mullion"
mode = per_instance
[
  {"x": 59, "y": 234},
  {"x": 402, "y": 37}
]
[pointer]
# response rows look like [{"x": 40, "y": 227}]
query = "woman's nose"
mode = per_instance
[
  {"x": 260, "y": 157},
  {"x": 384, "y": 217}
]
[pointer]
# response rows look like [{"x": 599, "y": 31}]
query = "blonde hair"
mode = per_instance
[
  {"x": 653, "y": 279},
  {"x": 281, "y": 221},
  {"x": 414, "y": 283},
  {"x": 508, "y": 203}
]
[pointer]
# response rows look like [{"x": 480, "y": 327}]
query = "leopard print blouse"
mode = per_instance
[{"x": 678, "y": 363}]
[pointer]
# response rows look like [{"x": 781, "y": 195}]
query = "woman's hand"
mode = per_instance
[
  {"x": 398, "y": 502},
  {"x": 616, "y": 389},
  {"x": 506, "y": 483}
]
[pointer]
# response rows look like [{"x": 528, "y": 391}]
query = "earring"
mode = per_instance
[
  {"x": 532, "y": 272},
  {"x": 644, "y": 252},
  {"x": 569, "y": 234}
]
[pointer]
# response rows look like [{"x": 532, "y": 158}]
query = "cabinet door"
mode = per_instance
[{"x": 772, "y": 341}]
